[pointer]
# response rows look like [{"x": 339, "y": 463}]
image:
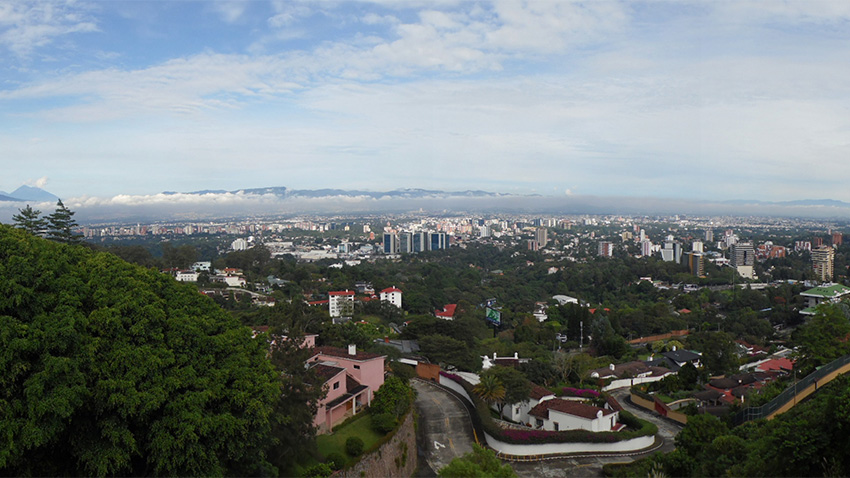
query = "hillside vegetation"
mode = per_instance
[{"x": 107, "y": 368}]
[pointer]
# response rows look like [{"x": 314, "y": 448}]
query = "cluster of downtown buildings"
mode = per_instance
[{"x": 742, "y": 254}]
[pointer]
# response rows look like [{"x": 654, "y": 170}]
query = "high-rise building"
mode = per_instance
[
  {"x": 484, "y": 231},
  {"x": 533, "y": 245},
  {"x": 420, "y": 242},
  {"x": 390, "y": 243},
  {"x": 541, "y": 236},
  {"x": 437, "y": 241},
  {"x": 696, "y": 263},
  {"x": 822, "y": 261},
  {"x": 817, "y": 241},
  {"x": 672, "y": 251},
  {"x": 709, "y": 235},
  {"x": 697, "y": 246},
  {"x": 606, "y": 249},
  {"x": 743, "y": 258},
  {"x": 645, "y": 247},
  {"x": 341, "y": 303},
  {"x": 405, "y": 243},
  {"x": 837, "y": 239}
]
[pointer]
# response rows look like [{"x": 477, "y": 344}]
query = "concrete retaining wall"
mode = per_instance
[{"x": 397, "y": 457}]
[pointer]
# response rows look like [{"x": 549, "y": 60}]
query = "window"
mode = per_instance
[
  {"x": 356, "y": 367},
  {"x": 557, "y": 427},
  {"x": 539, "y": 423},
  {"x": 336, "y": 385}
]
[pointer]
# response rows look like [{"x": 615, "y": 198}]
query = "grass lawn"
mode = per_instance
[
  {"x": 361, "y": 426},
  {"x": 664, "y": 398}
]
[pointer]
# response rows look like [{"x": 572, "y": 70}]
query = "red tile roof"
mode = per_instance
[
  {"x": 538, "y": 392},
  {"x": 569, "y": 407},
  {"x": 342, "y": 292},
  {"x": 448, "y": 311},
  {"x": 391, "y": 289},
  {"x": 327, "y": 372}
]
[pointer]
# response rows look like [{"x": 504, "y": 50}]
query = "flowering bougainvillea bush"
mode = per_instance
[
  {"x": 579, "y": 392},
  {"x": 483, "y": 420}
]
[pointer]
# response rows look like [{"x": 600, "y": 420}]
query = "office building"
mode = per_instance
[
  {"x": 405, "y": 243},
  {"x": 437, "y": 241},
  {"x": 696, "y": 263},
  {"x": 390, "y": 243},
  {"x": 743, "y": 258}
]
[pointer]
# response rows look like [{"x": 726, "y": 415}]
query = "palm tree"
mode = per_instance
[{"x": 490, "y": 389}]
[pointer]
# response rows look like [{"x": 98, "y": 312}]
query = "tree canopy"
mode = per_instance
[{"x": 111, "y": 369}]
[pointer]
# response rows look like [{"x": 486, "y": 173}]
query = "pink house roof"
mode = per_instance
[
  {"x": 448, "y": 311},
  {"x": 342, "y": 353},
  {"x": 569, "y": 407},
  {"x": 390, "y": 290}
]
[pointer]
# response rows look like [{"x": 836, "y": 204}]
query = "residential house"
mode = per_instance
[
  {"x": 675, "y": 359},
  {"x": 351, "y": 378},
  {"x": 518, "y": 412},
  {"x": 558, "y": 414},
  {"x": 391, "y": 295},
  {"x": 448, "y": 312},
  {"x": 341, "y": 303}
]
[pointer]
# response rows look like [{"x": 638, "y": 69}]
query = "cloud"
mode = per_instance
[
  {"x": 230, "y": 11},
  {"x": 39, "y": 183},
  {"x": 25, "y": 25}
]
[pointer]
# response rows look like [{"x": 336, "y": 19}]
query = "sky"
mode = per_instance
[{"x": 719, "y": 100}]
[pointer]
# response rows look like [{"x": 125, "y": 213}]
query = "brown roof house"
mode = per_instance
[{"x": 559, "y": 414}]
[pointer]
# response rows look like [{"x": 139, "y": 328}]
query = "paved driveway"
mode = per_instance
[{"x": 445, "y": 430}]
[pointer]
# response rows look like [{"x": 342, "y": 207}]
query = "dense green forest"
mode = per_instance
[{"x": 108, "y": 368}]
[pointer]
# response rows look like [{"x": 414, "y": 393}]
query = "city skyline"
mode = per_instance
[{"x": 105, "y": 101}]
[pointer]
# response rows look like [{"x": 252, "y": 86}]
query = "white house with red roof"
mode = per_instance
[
  {"x": 351, "y": 379},
  {"x": 448, "y": 312},
  {"x": 558, "y": 414},
  {"x": 341, "y": 303},
  {"x": 391, "y": 295},
  {"x": 518, "y": 412}
]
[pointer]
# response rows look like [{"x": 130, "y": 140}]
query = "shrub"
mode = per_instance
[
  {"x": 335, "y": 460},
  {"x": 354, "y": 446},
  {"x": 321, "y": 470},
  {"x": 384, "y": 422}
]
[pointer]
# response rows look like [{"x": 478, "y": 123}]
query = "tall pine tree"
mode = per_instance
[
  {"x": 60, "y": 225},
  {"x": 28, "y": 219}
]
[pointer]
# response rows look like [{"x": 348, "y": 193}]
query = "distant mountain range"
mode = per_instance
[
  {"x": 28, "y": 193},
  {"x": 283, "y": 192}
]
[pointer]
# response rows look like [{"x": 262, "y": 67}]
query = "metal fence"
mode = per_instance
[{"x": 754, "y": 413}]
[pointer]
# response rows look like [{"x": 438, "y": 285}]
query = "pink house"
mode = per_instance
[{"x": 351, "y": 378}]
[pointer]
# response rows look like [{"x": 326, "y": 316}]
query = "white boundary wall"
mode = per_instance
[
  {"x": 577, "y": 447},
  {"x": 628, "y": 382}
]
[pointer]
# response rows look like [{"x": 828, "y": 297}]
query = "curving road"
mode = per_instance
[{"x": 445, "y": 429}]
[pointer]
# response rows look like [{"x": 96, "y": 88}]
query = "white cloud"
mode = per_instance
[
  {"x": 230, "y": 11},
  {"x": 25, "y": 26},
  {"x": 39, "y": 183}
]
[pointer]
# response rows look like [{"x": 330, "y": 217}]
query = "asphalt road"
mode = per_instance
[{"x": 445, "y": 430}]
